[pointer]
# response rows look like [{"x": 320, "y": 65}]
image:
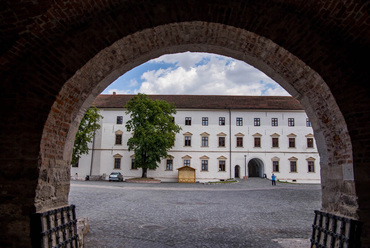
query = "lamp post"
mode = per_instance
[{"x": 245, "y": 166}]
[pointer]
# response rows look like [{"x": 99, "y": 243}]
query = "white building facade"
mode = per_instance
[{"x": 222, "y": 137}]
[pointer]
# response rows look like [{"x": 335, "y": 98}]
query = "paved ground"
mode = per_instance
[{"x": 250, "y": 213}]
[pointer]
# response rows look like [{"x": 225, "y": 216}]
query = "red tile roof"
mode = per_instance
[{"x": 208, "y": 101}]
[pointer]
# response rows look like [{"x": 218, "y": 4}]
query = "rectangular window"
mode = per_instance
[
  {"x": 311, "y": 166},
  {"x": 187, "y": 121},
  {"x": 239, "y": 141},
  {"x": 118, "y": 139},
  {"x": 239, "y": 121},
  {"x": 119, "y": 119},
  {"x": 221, "y": 141},
  {"x": 133, "y": 167},
  {"x": 186, "y": 162},
  {"x": 291, "y": 122},
  {"x": 169, "y": 164},
  {"x": 275, "y": 142},
  {"x": 274, "y": 122},
  {"x": 204, "y": 121},
  {"x": 204, "y": 141},
  {"x": 117, "y": 163},
  {"x": 275, "y": 166},
  {"x": 310, "y": 142},
  {"x": 257, "y": 122},
  {"x": 291, "y": 142},
  {"x": 187, "y": 140},
  {"x": 221, "y": 165},
  {"x": 75, "y": 164},
  {"x": 221, "y": 121},
  {"x": 204, "y": 165},
  {"x": 293, "y": 166},
  {"x": 257, "y": 142},
  {"x": 308, "y": 123}
]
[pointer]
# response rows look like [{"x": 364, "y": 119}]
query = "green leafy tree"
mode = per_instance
[
  {"x": 85, "y": 134},
  {"x": 154, "y": 130}
]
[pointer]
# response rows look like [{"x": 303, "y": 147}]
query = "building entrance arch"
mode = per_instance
[
  {"x": 255, "y": 168},
  {"x": 56, "y": 60}
]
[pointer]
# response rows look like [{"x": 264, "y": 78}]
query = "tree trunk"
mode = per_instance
[{"x": 144, "y": 173}]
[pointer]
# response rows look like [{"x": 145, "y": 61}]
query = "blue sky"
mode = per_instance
[{"x": 196, "y": 74}]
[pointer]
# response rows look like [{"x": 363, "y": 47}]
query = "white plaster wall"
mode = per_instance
[{"x": 105, "y": 148}]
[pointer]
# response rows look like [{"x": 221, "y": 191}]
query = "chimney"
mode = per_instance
[{"x": 114, "y": 93}]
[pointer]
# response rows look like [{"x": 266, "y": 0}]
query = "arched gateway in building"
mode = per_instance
[
  {"x": 255, "y": 168},
  {"x": 57, "y": 57}
]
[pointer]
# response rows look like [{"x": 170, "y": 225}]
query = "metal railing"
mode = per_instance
[
  {"x": 56, "y": 228},
  {"x": 329, "y": 231}
]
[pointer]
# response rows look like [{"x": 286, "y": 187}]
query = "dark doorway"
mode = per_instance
[
  {"x": 255, "y": 168},
  {"x": 237, "y": 171}
]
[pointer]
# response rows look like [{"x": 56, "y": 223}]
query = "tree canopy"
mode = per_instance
[
  {"x": 86, "y": 131},
  {"x": 154, "y": 130}
]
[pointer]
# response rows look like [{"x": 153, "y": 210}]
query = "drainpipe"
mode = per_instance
[
  {"x": 92, "y": 155},
  {"x": 230, "y": 140},
  {"x": 245, "y": 166}
]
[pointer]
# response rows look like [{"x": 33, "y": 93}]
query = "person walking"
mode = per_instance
[{"x": 273, "y": 179}]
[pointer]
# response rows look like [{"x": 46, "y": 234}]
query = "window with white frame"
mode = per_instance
[
  {"x": 204, "y": 121},
  {"x": 187, "y": 121},
  {"x": 293, "y": 164},
  {"x": 118, "y": 137},
  {"x": 309, "y": 142},
  {"x": 169, "y": 164},
  {"x": 221, "y": 121},
  {"x": 221, "y": 165},
  {"x": 119, "y": 120},
  {"x": 310, "y": 164},
  {"x": 275, "y": 166},
  {"x": 204, "y": 165},
  {"x": 292, "y": 142},
  {"x": 291, "y": 122},
  {"x": 239, "y": 121},
  {"x": 221, "y": 141},
  {"x": 275, "y": 140},
  {"x": 257, "y": 141},
  {"x": 117, "y": 161},
  {"x": 133, "y": 167},
  {"x": 186, "y": 162},
  {"x": 274, "y": 122},
  {"x": 257, "y": 122},
  {"x": 308, "y": 123},
  {"x": 204, "y": 141},
  {"x": 187, "y": 139}
]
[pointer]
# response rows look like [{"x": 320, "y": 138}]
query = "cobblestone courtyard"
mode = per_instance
[{"x": 250, "y": 213}]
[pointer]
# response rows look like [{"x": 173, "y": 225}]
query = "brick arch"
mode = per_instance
[
  {"x": 43, "y": 43},
  {"x": 295, "y": 76}
]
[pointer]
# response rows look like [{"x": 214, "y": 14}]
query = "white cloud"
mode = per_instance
[
  {"x": 185, "y": 60},
  {"x": 207, "y": 74}
]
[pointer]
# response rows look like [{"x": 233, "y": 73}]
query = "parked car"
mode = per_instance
[{"x": 116, "y": 176}]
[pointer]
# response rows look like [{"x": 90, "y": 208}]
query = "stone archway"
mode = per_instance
[
  {"x": 255, "y": 168},
  {"x": 56, "y": 57},
  {"x": 307, "y": 86}
]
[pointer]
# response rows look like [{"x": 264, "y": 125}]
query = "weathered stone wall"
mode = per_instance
[{"x": 314, "y": 49}]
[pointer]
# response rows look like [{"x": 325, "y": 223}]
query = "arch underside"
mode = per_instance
[{"x": 255, "y": 168}]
